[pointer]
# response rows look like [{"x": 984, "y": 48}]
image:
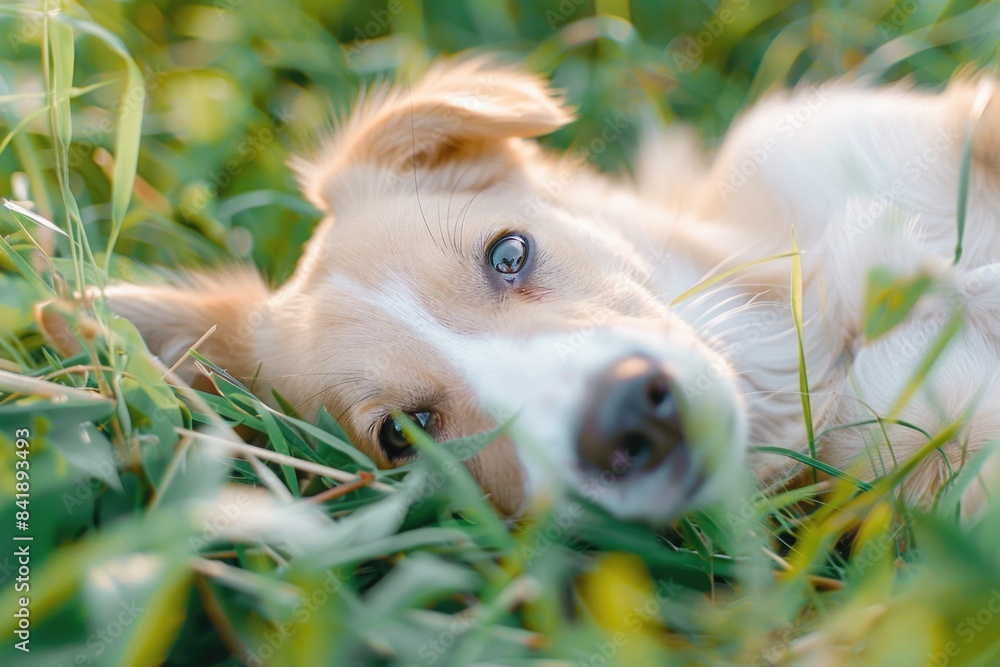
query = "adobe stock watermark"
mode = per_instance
[
  {"x": 562, "y": 520},
  {"x": 874, "y": 551},
  {"x": 892, "y": 22},
  {"x": 563, "y": 11},
  {"x": 721, "y": 369},
  {"x": 30, "y": 26},
  {"x": 379, "y": 21},
  {"x": 92, "y": 482},
  {"x": 913, "y": 170},
  {"x": 222, "y": 520},
  {"x": 575, "y": 340},
  {"x": 308, "y": 604},
  {"x": 777, "y": 650},
  {"x": 247, "y": 152},
  {"x": 786, "y": 126},
  {"x": 567, "y": 170},
  {"x": 99, "y": 641},
  {"x": 749, "y": 511},
  {"x": 688, "y": 51},
  {"x": 433, "y": 650},
  {"x": 967, "y": 630},
  {"x": 132, "y": 102}
]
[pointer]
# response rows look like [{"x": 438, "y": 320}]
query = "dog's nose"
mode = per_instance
[{"x": 631, "y": 421}]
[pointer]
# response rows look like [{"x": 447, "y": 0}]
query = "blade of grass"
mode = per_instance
[
  {"x": 128, "y": 132},
  {"x": 17, "y": 383},
  {"x": 74, "y": 93},
  {"x": 280, "y": 445},
  {"x": 886, "y": 483},
  {"x": 949, "y": 331},
  {"x": 328, "y": 439},
  {"x": 58, "y": 58},
  {"x": 31, "y": 215},
  {"x": 796, "y": 299},
  {"x": 466, "y": 491},
  {"x": 25, "y": 268},
  {"x": 835, "y": 518},
  {"x": 24, "y": 122},
  {"x": 949, "y": 501},
  {"x": 983, "y": 96},
  {"x": 813, "y": 463},
  {"x": 275, "y": 457}
]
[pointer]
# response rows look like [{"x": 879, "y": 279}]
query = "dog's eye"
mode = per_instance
[
  {"x": 391, "y": 438},
  {"x": 508, "y": 254}
]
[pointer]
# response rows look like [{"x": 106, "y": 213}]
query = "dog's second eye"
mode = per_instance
[
  {"x": 391, "y": 438},
  {"x": 508, "y": 254}
]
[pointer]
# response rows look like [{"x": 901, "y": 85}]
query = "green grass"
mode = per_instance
[{"x": 157, "y": 134}]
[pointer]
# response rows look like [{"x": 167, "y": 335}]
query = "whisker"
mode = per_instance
[
  {"x": 697, "y": 322},
  {"x": 456, "y": 240},
  {"x": 416, "y": 180},
  {"x": 464, "y": 212},
  {"x": 710, "y": 328},
  {"x": 456, "y": 236}
]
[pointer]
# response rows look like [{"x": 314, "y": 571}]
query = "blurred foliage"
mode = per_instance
[{"x": 143, "y": 554}]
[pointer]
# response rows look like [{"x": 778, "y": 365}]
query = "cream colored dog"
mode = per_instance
[{"x": 469, "y": 278}]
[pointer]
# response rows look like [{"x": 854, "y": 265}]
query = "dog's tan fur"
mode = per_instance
[{"x": 418, "y": 180}]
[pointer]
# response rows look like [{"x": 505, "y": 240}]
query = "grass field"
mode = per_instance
[{"x": 156, "y": 134}]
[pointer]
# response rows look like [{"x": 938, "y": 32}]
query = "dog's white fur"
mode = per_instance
[{"x": 392, "y": 306}]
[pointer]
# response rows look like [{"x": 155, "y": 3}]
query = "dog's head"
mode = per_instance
[{"x": 456, "y": 278}]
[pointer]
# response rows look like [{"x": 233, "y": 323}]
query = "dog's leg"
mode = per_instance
[{"x": 963, "y": 382}]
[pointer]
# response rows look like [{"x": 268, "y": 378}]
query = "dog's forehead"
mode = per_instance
[
  {"x": 438, "y": 242},
  {"x": 389, "y": 223},
  {"x": 409, "y": 212}
]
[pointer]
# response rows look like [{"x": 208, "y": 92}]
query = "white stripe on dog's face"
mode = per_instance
[{"x": 541, "y": 381}]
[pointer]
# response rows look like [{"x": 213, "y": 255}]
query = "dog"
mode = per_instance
[{"x": 629, "y": 338}]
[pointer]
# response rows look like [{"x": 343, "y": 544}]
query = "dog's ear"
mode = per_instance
[
  {"x": 172, "y": 318},
  {"x": 455, "y": 107}
]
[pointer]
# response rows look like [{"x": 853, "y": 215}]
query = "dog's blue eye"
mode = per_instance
[{"x": 509, "y": 254}]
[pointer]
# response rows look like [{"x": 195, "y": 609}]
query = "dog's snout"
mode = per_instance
[{"x": 631, "y": 420}]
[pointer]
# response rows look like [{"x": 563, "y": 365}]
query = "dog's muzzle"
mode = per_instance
[
  {"x": 644, "y": 422},
  {"x": 631, "y": 421}
]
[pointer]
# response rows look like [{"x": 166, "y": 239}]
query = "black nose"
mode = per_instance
[{"x": 631, "y": 421}]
